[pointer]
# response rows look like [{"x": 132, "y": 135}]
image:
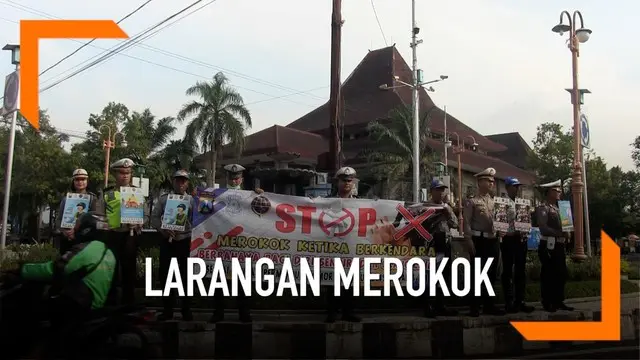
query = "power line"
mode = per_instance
[
  {"x": 271, "y": 97},
  {"x": 184, "y": 58},
  {"x": 92, "y": 40},
  {"x": 375, "y": 13},
  {"x": 127, "y": 44}
]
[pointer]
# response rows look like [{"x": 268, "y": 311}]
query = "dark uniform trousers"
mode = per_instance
[
  {"x": 63, "y": 243},
  {"x": 553, "y": 273},
  {"x": 343, "y": 302},
  {"x": 179, "y": 249},
  {"x": 514, "y": 259},
  {"x": 485, "y": 249},
  {"x": 242, "y": 299},
  {"x": 125, "y": 249},
  {"x": 441, "y": 246}
]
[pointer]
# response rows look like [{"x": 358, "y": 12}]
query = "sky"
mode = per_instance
[{"x": 507, "y": 70}]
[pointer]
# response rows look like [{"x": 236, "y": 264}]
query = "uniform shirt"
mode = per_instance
[
  {"x": 548, "y": 219},
  {"x": 111, "y": 201},
  {"x": 158, "y": 213},
  {"x": 452, "y": 220},
  {"x": 478, "y": 215}
]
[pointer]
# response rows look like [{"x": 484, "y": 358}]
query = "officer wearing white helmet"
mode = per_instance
[
  {"x": 235, "y": 180},
  {"x": 235, "y": 177},
  {"x": 480, "y": 235},
  {"x": 79, "y": 184},
  {"x": 344, "y": 189},
  {"x": 551, "y": 250},
  {"x": 119, "y": 240},
  {"x": 173, "y": 243}
]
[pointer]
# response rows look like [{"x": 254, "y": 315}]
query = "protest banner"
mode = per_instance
[
  {"x": 176, "y": 212},
  {"x": 132, "y": 209},
  {"x": 75, "y": 204},
  {"x": 236, "y": 223}
]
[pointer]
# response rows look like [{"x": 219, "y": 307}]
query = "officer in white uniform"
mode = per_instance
[
  {"x": 235, "y": 181},
  {"x": 479, "y": 229},
  {"x": 344, "y": 189}
]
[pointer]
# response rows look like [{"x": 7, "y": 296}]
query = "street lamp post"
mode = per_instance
[
  {"x": 107, "y": 145},
  {"x": 458, "y": 150},
  {"x": 416, "y": 122},
  {"x": 576, "y": 36},
  {"x": 11, "y": 99}
]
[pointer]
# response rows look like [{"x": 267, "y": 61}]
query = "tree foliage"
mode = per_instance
[
  {"x": 219, "y": 116},
  {"x": 393, "y": 161},
  {"x": 613, "y": 195}
]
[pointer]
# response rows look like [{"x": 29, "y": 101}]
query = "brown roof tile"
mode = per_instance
[
  {"x": 364, "y": 101},
  {"x": 473, "y": 161},
  {"x": 281, "y": 139}
]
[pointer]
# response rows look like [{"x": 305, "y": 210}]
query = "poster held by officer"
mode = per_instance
[
  {"x": 501, "y": 214},
  {"x": 176, "y": 212},
  {"x": 523, "y": 215},
  {"x": 132, "y": 206},
  {"x": 74, "y": 206}
]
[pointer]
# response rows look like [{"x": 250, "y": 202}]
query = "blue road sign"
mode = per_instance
[{"x": 584, "y": 131}]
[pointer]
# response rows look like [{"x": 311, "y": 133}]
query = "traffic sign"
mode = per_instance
[
  {"x": 11, "y": 85},
  {"x": 584, "y": 131}
]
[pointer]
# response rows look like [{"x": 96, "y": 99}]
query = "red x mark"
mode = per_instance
[{"x": 414, "y": 223}]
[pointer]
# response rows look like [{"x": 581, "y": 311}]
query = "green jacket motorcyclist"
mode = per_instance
[{"x": 83, "y": 274}]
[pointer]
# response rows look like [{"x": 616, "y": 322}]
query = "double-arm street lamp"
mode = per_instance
[
  {"x": 458, "y": 150},
  {"x": 576, "y": 36},
  {"x": 108, "y": 144},
  {"x": 416, "y": 123}
]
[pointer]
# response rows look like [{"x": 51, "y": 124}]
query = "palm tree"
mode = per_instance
[
  {"x": 393, "y": 158},
  {"x": 219, "y": 117},
  {"x": 146, "y": 138},
  {"x": 176, "y": 155}
]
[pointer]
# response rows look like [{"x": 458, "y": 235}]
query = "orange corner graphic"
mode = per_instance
[
  {"x": 608, "y": 329},
  {"x": 31, "y": 31}
]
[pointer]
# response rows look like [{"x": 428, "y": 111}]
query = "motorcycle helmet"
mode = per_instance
[{"x": 88, "y": 226}]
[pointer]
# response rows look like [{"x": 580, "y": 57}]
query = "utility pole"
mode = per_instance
[
  {"x": 334, "y": 97},
  {"x": 416, "y": 105}
]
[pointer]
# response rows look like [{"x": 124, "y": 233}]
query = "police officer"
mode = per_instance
[
  {"x": 235, "y": 180},
  {"x": 553, "y": 272},
  {"x": 514, "y": 257},
  {"x": 65, "y": 237},
  {"x": 479, "y": 231},
  {"x": 174, "y": 244},
  {"x": 119, "y": 238},
  {"x": 344, "y": 189},
  {"x": 442, "y": 246}
]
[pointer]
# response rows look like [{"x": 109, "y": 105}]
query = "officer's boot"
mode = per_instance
[
  {"x": 244, "y": 310},
  {"x": 218, "y": 305},
  {"x": 440, "y": 308},
  {"x": 348, "y": 313}
]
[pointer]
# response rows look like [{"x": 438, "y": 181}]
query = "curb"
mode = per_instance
[
  {"x": 384, "y": 337},
  {"x": 384, "y": 311}
]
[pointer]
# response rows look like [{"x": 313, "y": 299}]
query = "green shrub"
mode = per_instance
[
  {"x": 589, "y": 269},
  {"x": 14, "y": 255},
  {"x": 153, "y": 253}
]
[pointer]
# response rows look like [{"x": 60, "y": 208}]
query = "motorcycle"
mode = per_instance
[{"x": 28, "y": 330}]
